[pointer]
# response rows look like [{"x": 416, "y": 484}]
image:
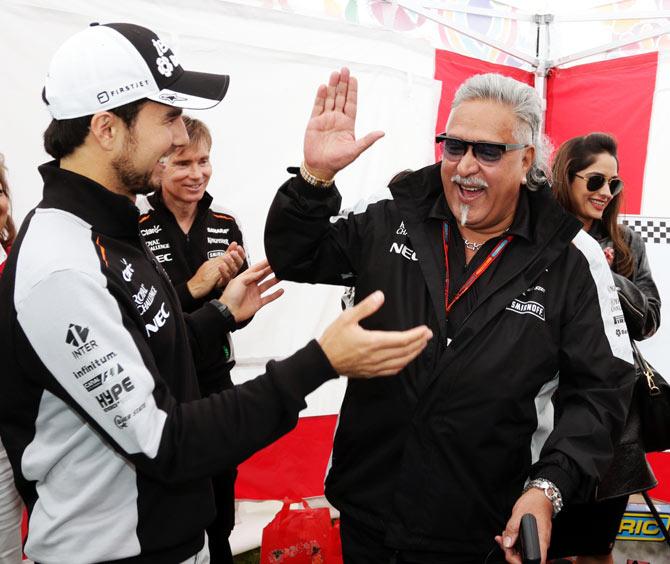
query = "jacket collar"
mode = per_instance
[
  {"x": 107, "y": 212},
  {"x": 157, "y": 202},
  {"x": 520, "y": 224},
  {"x": 598, "y": 231},
  {"x": 548, "y": 230},
  {"x": 420, "y": 196}
]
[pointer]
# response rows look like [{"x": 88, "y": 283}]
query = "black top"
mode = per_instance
[
  {"x": 437, "y": 456},
  {"x": 110, "y": 443},
  {"x": 181, "y": 254}
]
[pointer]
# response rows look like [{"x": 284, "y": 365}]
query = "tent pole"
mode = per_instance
[{"x": 542, "y": 21}]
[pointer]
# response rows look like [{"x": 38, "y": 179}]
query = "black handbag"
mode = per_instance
[{"x": 653, "y": 399}]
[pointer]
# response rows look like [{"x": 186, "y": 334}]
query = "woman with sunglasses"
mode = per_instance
[
  {"x": 10, "y": 503},
  {"x": 586, "y": 182}
]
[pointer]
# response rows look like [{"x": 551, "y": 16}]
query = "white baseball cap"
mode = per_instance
[{"x": 106, "y": 66}]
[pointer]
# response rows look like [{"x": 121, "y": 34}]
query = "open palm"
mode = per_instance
[
  {"x": 330, "y": 139},
  {"x": 244, "y": 294}
]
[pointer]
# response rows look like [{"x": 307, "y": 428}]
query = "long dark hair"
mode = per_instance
[
  {"x": 8, "y": 232},
  {"x": 577, "y": 154}
]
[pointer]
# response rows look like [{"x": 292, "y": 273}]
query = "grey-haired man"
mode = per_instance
[{"x": 464, "y": 441}]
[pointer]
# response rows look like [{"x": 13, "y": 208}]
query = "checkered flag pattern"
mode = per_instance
[{"x": 654, "y": 230}]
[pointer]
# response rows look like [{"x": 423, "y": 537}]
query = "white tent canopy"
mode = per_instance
[{"x": 277, "y": 52}]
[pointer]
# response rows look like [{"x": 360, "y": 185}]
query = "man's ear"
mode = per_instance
[
  {"x": 107, "y": 129},
  {"x": 528, "y": 158}
]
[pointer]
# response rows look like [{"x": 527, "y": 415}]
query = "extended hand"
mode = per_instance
[
  {"x": 533, "y": 501},
  {"x": 330, "y": 141},
  {"x": 244, "y": 294},
  {"x": 357, "y": 352}
]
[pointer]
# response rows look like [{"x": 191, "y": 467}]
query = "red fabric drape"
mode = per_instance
[
  {"x": 294, "y": 466},
  {"x": 660, "y": 462},
  {"x": 452, "y": 69},
  {"x": 611, "y": 96}
]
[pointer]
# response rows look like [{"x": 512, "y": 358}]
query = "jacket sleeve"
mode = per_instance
[
  {"x": 188, "y": 302},
  {"x": 208, "y": 334},
  {"x": 132, "y": 407},
  {"x": 639, "y": 296},
  {"x": 303, "y": 244},
  {"x": 596, "y": 379}
]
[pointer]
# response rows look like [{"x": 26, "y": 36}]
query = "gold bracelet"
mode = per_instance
[{"x": 314, "y": 180}]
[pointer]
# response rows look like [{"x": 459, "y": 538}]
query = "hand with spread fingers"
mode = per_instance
[
  {"x": 244, "y": 294},
  {"x": 536, "y": 502},
  {"x": 358, "y": 353},
  {"x": 330, "y": 140}
]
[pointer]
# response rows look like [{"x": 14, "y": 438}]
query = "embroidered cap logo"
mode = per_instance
[{"x": 164, "y": 64}]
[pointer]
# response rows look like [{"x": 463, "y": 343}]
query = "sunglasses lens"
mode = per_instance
[
  {"x": 454, "y": 148},
  {"x": 616, "y": 185},
  {"x": 595, "y": 182},
  {"x": 488, "y": 152}
]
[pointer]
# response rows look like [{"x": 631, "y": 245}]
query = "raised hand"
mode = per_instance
[
  {"x": 330, "y": 140},
  {"x": 244, "y": 294},
  {"x": 357, "y": 352}
]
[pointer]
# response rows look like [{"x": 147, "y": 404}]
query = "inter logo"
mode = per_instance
[{"x": 77, "y": 336}]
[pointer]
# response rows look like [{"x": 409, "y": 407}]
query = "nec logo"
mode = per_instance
[
  {"x": 159, "y": 320},
  {"x": 404, "y": 250},
  {"x": 77, "y": 336},
  {"x": 166, "y": 257},
  {"x": 109, "y": 399}
]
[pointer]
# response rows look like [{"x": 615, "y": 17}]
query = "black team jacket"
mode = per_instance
[
  {"x": 181, "y": 254},
  {"x": 437, "y": 456},
  {"x": 100, "y": 413}
]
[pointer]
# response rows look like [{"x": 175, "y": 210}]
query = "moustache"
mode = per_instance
[{"x": 469, "y": 182}]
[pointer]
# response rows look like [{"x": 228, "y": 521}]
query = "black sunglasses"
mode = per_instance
[
  {"x": 595, "y": 182},
  {"x": 486, "y": 152}
]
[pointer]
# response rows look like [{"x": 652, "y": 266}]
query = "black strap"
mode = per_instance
[{"x": 657, "y": 517}]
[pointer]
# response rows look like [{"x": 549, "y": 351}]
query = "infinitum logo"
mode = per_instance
[{"x": 77, "y": 336}]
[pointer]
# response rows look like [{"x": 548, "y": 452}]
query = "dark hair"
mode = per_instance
[
  {"x": 577, "y": 154},
  {"x": 63, "y": 136},
  {"x": 8, "y": 232}
]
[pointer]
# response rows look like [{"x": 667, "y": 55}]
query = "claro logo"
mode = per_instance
[{"x": 158, "y": 321}]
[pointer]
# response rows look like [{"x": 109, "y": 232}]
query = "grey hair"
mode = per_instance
[{"x": 526, "y": 104}]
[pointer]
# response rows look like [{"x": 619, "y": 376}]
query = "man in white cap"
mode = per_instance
[{"x": 111, "y": 445}]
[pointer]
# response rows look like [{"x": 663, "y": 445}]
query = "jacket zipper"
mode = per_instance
[{"x": 623, "y": 298}]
